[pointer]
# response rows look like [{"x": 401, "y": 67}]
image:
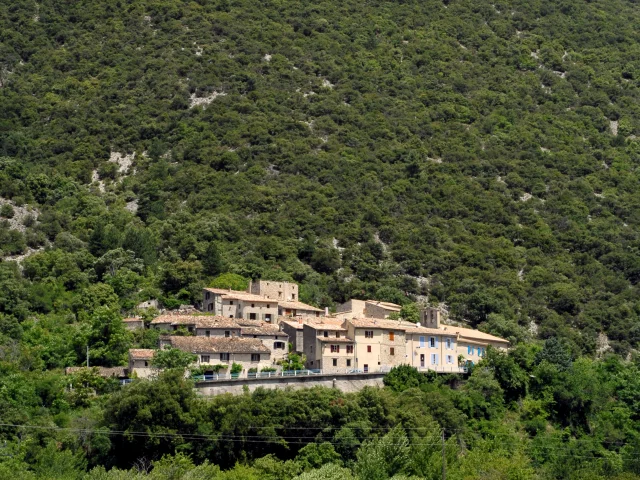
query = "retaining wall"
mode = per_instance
[{"x": 347, "y": 382}]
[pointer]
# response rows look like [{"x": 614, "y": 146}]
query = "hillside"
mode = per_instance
[{"x": 480, "y": 156}]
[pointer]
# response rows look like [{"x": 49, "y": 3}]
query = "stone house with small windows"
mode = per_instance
[
  {"x": 379, "y": 344},
  {"x": 294, "y": 331},
  {"x": 327, "y": 347},
  {"x": 235, "y": 304},
  {"x": 275, "y": 290},
  {"x": 210, "y": 351},
  {"x": 140, "y": 362},
  {"x": 297, "y": 309},
  {"x": 271, "y": 337}
]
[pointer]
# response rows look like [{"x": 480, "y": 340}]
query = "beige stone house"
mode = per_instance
[
  {"x": 235, "y": 304},
  {"x": 210, "y": 351},
  {"x": 327, "y": 347},
  {"x": 272, "y": 337},
  {"x": 379, "y": 344},
  {"x": 294, "y": 331},
  {"x": 140, "y": 362},
  {"x": 366, "y": 309}
]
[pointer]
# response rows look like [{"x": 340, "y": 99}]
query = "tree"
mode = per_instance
[
  {"x": 230, "y": 280},
  {"x": 212, "y": 260},
  {"x": 108, "y": 339},
  {"x": 403, "y": 377},
  {"x": 173, "y": 358}
]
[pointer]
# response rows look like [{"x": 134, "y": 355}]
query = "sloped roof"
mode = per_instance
[
  {"x": 218, "y": 345},
  {"x": 200, "y": 321},
  {"x": 472, "y": 334},
  {"x": 333, "y": 327},
  {"x": 265, "y": 330},
  {"x": 141, "y": 353},
  {"x": 298, "y": 306},
  {"x": 132, "y": 320},
  {"x": 385, "y": 305},
  {"x": 335, "y": 340},
  {"x": 239, "y": 295},
  {"x": 379, "y": 323}
]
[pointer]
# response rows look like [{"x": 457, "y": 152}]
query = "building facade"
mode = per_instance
[{"x": 281, "y": 291}]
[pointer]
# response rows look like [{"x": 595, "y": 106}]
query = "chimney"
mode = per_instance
[{"x": 326, "y": 311}]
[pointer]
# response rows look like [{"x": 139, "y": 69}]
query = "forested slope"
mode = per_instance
[{"x": 483, "y": 155}]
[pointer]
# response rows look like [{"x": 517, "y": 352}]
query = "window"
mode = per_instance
[
  {"x": 231, "y": 302},
  {"x": 210, "y": 307},
  {"x": 335, "y": 362},
  {"x": 255, "y": 357},
  {"x": 434, "y": 359},
  {"x": 293, "y": 296},
  {"x": 481, "y": 351},
  {"x": 469, "y": 350},
  {"x": 146, "y": 364},
  {"x": 224, "y": 357},
  {"x": 190, "y": 329},
  {"x": 326, "y": 334},
  {"x": 267, "y": 317},
  {"x": 450, "y": 359},
  {"x": 204, "y": 358},
  {"x": 368, "y": 348},
  {"x": 337, "y": 334},
  {"x": 252, "y": 316},
  {"x": 253, "y": 305},
  {"x": 207, "y": 296},
  {"x": 349, "y": 348},
  {"x": 422, "y": 342},
  {"x": 335, "y": 348},
  {"x": 207, "y": 333},
  {"x": 432, "y": 342},
  {"x": 368, "y": 334},
  {"x": 227, "y": 333},
  {"x": 392, "y": 336},
  {"x": 392, "y": 351},
  {"x": 366, "y": 368},
  {"x": 348, "y": 362},
  {"x": 448, "y": 344},
  {"x": 230, "y": 316},
  {"x": 278, "y": 345}
]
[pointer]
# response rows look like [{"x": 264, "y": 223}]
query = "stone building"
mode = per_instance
[
  {"x": 133, "y": 323},
  {"x": 294, "y": 331},
  {"x": 275, "y": 290},
  {"x": 327, "y": 347},
  {"x": 366, "y": 309},
  {"x": 272, "y": 337},
  {"x": 210, "y": 351},
  {"x": 297, "y": 309},
  {"x": 140, "y": 362},
  {"x": 235, "y": 304},
  {"x": 379, "y": 344}
]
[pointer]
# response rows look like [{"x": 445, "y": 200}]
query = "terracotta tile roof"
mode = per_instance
[
  {"x": 239, "y": 295},
  {"x": 175, "y": 319},
  {"x": 248, "y": 297},
  {"x": 386, "y": 305},
  {"x": 293, "y": 323},
  {"x": 266, "y": 330},
  {"x": 101, "y": 371},
  {"x": 250, "y": 323},
  {"x": 141, "y": 353},
  {"x": 472, "y": 334},
  {"x": 379, "y": 323},
  {"x": 216, "y": 322},
  {"x": 132, "y": 320},
  {"x": 335, "y": 340},
  {"x": 218, "y": 345},
  {"x": 298, "y": 306},
  {"x": 327, "y": 326}
]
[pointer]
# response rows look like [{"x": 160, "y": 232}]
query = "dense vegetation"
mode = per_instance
[
  {"x": 481, "y": 155},
  {"x": 532, "y": 414}
]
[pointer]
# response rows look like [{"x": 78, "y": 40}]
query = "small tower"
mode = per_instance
[{"x": 430, "y": 317}]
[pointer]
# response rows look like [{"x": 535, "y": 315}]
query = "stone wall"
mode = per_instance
[{"x": 344, "y": 382}]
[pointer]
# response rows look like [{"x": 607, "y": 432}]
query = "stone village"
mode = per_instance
[{"x": 251, "y": 333}]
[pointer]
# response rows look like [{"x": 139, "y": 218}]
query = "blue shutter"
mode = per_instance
[
  {"x": 421, "y": 342},
  {"x": 469, "y": 350},
  {"x": 437, "y": 359},
  {"x": 436, "y": 342}
]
